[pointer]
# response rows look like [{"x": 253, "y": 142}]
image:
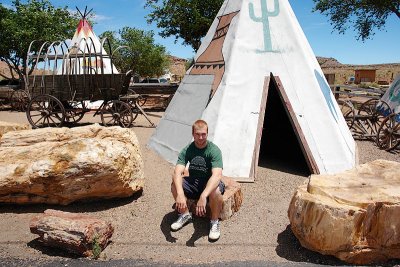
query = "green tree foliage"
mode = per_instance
[
  {"x": 25, "y": 22},
  {"x": 363, "y": 15},
  {"x": 141, "y": 55},
  {"x": 186, "y": 19}
]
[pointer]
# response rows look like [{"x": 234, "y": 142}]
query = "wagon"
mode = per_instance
[
  {"x": 66, "y": 79},
  {"x": 388, "y": 136},
  {"x": 11, "y": 96},
  {"x": 373, "y": 119}
]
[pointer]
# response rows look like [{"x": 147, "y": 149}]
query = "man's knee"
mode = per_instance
[{"x": 216, "y": 194}]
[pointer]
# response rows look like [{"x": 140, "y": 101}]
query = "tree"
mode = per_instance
[
  {"x": 186, "y": 19},
  {"x": 143, "y": 56},
  {"x": 23, "y": 23},
  {"x": 363, "y": 15}
]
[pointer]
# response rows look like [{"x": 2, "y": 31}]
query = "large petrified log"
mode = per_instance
[
  {"x": 232, "y": 199},
  {"x": 74, "y": 232},
  {"x": 352, "y": 215},
  {"x": 9, "y": 126},
  {"x": 62, "y": 165}
]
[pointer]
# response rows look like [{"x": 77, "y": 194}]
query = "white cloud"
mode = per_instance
[
  {"x": 100, "y": 18},
  {"x": 97, "y": 18}
]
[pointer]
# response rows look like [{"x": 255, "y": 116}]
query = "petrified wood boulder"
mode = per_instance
[
  {"x": 354, "y": 215},
  {"x": 232, "y": 198},
  {"x": 62, "y": 165},
  {"x": 77, "y": 233},
  {"x": 9, "y": 126}
]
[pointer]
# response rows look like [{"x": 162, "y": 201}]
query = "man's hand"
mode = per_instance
[
  {"x": 201, "y": 206},
  {"x": 181, "y": 203}
]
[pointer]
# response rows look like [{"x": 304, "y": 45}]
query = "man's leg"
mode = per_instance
[
  {"x": 216, "y": 202},
  {"x": 185, "y": 217},
  {"x": 174, "y": 194}
]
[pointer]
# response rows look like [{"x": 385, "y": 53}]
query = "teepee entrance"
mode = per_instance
[{"x": 280, "y": 144}]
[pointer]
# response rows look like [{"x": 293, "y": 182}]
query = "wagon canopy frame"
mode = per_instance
[{"x": 74, "y": 74}]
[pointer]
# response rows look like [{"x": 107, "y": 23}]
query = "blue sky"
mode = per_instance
[{"x": 383, "y": 48}]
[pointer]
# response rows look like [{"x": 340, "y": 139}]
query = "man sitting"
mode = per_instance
[{"x": 203, "y": 183}]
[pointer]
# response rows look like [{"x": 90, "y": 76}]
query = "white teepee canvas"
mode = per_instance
[
  {"x": 228, "y": 87},
  {"x": 85, "y": 52}
]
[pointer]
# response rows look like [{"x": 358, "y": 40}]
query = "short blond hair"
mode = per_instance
[{"x": 199, "y": 124}]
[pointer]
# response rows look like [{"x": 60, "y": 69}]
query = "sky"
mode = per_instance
[{"x": 383, "y": 48}]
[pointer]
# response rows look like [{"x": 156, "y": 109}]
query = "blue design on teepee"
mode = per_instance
[{"x": 265, "y": 21}]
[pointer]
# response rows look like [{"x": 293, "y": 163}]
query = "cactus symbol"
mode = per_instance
[{"x": 264, "y": 19}]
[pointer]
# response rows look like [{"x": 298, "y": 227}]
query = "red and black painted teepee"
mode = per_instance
[{"x": 86, "y": 52}]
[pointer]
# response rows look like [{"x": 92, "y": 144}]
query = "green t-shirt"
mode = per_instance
[{"x": 201, "y": 160}]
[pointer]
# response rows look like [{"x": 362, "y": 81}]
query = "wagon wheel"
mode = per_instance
[
  {"x": 141, "y": 100},
  {"x": 45, "y": 111},
  {"x": 347, "y": 109},
  {"x": 388, "y": 136},
  {"x": 19, "y": 100},
  {"x": 135, "y": 112},
  {"x": 116, "y": 113},
  {"x": 370, "y": 117},
  {"x": 74, "y": 111}
]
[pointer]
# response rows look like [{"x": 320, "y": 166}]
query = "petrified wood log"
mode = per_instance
[
  {"x": 8, "y": 127},
  {"x": 77, "y": 233},
  {"x": 354, "y": 215},
  {"x": 232, "y": 198},
  {"x": 62, "y": 165}
]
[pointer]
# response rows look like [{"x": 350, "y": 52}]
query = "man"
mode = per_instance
[{"x": 204, "y": 180}]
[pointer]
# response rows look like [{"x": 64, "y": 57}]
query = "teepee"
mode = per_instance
[
  {"x": 255, "y": 55},
  {"x": 86, "y": 54},
  {"x": 392, "y": 99}
]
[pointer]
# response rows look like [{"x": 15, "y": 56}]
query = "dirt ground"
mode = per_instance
[{"x": 258, "y": 232}]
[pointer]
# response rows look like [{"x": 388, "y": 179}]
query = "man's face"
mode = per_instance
[{"x": 200, "y": 137}]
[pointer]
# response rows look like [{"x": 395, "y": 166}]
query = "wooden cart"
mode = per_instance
[
  {"x": 371, "y": 119},
  {"x": 69, "y": 80}
]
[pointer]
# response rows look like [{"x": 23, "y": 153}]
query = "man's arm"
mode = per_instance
[
  {"x": 212, "y": 185},
  {"x": 177, "y": 179}
]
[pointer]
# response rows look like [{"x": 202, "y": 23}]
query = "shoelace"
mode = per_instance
[
  {"x": 215, "y": 227},
  {"x": 182, "y": 218}
]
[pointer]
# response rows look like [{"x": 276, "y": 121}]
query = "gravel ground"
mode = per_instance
[{"x": 259, "y": 233}]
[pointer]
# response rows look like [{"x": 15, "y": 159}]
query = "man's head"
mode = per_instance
[{"x": 200, "y": 133}]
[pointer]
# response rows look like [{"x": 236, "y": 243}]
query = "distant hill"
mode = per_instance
[
  {"x": 330, "y": 62},
  {"x": 384, "y": 72}
]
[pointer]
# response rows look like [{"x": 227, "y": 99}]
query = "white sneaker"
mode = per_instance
[
  {"x": 182, "y": 221},
  {"x": 215, "y": 231}
]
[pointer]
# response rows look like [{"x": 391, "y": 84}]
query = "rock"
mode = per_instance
[
  {"x": 62, "y": 165},
  {"x": 353, "y": 215},
  {"x": 74, "y": 232},
  {"x": 232, "y": 197},
  {"x": 8, "y": 126}
]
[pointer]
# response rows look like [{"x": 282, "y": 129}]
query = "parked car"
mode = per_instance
[{"x": 154, "y": 80}]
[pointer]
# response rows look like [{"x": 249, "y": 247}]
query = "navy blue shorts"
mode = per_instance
[{"x": 193, "y": 187}]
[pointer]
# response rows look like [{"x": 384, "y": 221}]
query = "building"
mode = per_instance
[{"x": 365, "y": 76}]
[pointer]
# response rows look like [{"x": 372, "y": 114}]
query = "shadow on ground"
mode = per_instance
[
  {"x": 200, "y": 225},
  {"x": 289, "y": 248},
  {"x": 51, "y": 251},
  {"x": 79, "y": 206}
]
